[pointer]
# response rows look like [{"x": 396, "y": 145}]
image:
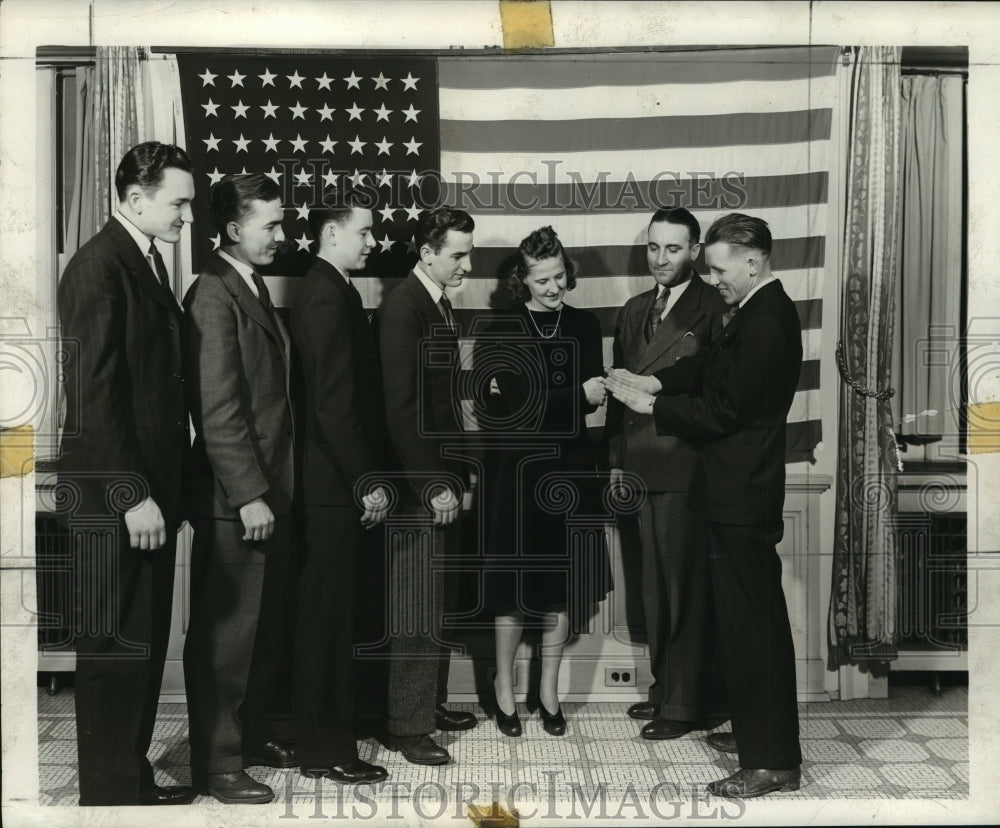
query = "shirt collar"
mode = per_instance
[
  {"x": 755, "y": 288},
  {"x": 245, "y": 270},
  {"x": 141, "y": 239},
  {"x": 432, "y": 287},
  {"x": 676, "y": 290},
  {"x": 347, "y": 278}
]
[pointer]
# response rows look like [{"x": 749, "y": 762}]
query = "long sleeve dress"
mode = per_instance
[{"x": 545, "y": 541}]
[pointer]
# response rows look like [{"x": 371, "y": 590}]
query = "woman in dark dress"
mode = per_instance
[{"x": 546, "y": 363}]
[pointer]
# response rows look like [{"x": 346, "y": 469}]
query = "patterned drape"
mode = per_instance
[
  {"x": 862, "y": 622},
  {"x": 117, "y": 118}
]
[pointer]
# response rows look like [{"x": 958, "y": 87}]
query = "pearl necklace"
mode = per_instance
[{"x": 555, "y": 330}]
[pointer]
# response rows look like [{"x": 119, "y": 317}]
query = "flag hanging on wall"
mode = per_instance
[{"x": 590, "y": 144}]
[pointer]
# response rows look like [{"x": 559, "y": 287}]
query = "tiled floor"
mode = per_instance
[{"x": 911, "y": 746}]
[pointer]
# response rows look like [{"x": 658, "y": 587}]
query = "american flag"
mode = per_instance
[{"x": 590, "y": 144}]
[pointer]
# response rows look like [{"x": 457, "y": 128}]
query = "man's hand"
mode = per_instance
[
  {"x": 595, "y": 390},
  {"x": 258, "y": 520},
  {"x": 639, "y": 401},
  {"x": 620, "y": 379},
  {"x": 146, "y": 528},
  {"x": 446, "y": 507},
  {"x": 376, "y": 507}
]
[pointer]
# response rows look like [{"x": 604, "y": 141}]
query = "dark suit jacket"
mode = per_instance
[
  {"x": 665, "y": 463},
  {"x": 125, "y": 414},
  {"x": 239, "y": 397},
  {"x": 344, "y": 435},
  {"x": 740, "y": 391},
  {"x": 419, "y": 372}
]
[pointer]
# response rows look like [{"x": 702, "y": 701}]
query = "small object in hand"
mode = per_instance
[{"x": 496, "y": 817}]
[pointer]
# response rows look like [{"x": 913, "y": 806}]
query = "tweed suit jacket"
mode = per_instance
[
  {"x": 665, "y": 463},
  {"x": 125, "y": 434},
  {"x": 239, "y": 397}
]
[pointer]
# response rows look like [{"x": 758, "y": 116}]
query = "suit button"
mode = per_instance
[
  {"x": 170, "y": 327},
  {"x": 631, "y": 422}
]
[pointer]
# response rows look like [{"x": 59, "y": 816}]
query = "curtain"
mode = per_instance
[
  {"x": 81, "y": 220},
  {"x": 862, "y": 619},
  {"x": 117, "y": 113},
  {"x": 928, "y": 290}
]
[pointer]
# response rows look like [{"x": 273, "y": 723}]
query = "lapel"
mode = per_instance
[
  {"x": 244, "y": 298},
  {"x": 755, "y": 304},
  {"x": 330, "y": 273},
  {"x": 682, "y": 318},
  {"x": 436, "y": 324},
  {"x": 138, "y": 265}
]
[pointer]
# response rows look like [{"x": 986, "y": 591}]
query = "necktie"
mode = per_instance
[
  {"x": 159, "y": 268},
  {"x": 265, "y": 300},
  {"x": 655, "y": 312},
  {"x": 727, "y": 317},
  {"x": 449, "y": 317}
]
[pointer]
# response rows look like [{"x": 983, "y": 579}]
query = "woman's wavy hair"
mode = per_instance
[{"x": 542, "y": 243}]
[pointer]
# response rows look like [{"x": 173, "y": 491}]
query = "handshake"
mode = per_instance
[{"x": 632, "y": 390}]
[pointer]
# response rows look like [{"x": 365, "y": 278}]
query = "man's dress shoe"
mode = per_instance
[
  {"x": 665, "y": 729},
  {"x": 445, "y": 719},
  {"x": 726, "y": 742},
  {"x": 420, "y": 750},
  {"x": 644, "y": 710},
  {"x": 352, "y": 772},
  {"x": 153, "y": 794},
  {"x": 747, "y": 783},
  {"x": 237, "y": 788},
  {"x": 270, "y": 755}
]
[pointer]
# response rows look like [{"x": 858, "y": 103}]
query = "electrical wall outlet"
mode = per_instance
[{"x": 619, "y": 676}]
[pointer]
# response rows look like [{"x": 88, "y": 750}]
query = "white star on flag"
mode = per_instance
[
  {"x": 385, "y": 243},
  {"x": 303, "y": 242},
  {"x": 295, "y": 79},
  {"x": 267, "y": 79},
  {"x": 236, "y": 78},
  {"x": 326, "y": 113},
  {"x": 353, "y": 81},
  {"x": 328, "y": 144},
  {"x": 241, "y": 143},
  {"x": 241, "y": 110},
  {"x": 413, "y": 179},
  {"x": 383, "y": 146},
  {"x": 411, "y": 246},
  {"x": 412, "y": 146},
  {"x": 324, "y": 82},
  {"x": 384, "y": 178},
  {"x": 215, "y": 176},
  {"x": 269, "y": 109},
  {"x": 274, "y": 174},
  {"x": 355, "y": 111},
  {"x": 211, "y": 142},
  {"x": 381, "y": 82},
  {"x": 412, "y": 212},
  {"x": 382, "y": 112},
  {"x": 215, "y": 241},
  {"x": 303, "y": 212},
  {"x": 386, "y": 213},
  {"x": 271, "y": 143},
  {"x": 356, "y": 144},
  {"x": 299, "y": 143},
  {"x": 302, "y": 178},
  {"x": 409, "y": 82},
  {"x": 298, "y": 111},
  {"x": 208, "y": 79},
  {"x": 411, "y": 113},
  {"x": 330, "y": 179},
  {"x": 358, "y": 178},
  {"x": 210, "y": 108}
]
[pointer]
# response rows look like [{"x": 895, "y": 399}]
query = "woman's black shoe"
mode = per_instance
[
  {"x": 554, "y": 724},
  {"x": 507, "y": 725}
]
